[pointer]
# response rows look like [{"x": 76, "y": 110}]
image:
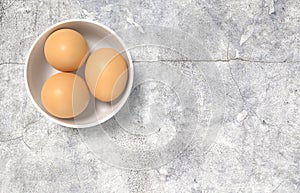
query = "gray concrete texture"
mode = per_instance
[{"x": 253, "y": 44}]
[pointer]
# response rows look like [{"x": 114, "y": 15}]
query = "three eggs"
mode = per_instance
[{"x": 66, "y": 95}]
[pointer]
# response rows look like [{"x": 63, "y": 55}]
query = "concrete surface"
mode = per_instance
[{"x": 255, "y": 46}]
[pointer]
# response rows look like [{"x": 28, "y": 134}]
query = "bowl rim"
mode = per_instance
[{"x": 126, "y": 93}]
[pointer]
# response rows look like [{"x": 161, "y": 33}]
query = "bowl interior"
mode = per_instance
[{"x": 38, "y": 71}]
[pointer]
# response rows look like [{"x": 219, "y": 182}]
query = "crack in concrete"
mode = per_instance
[
  {"x": 31, "y": 123},
  {"x": 222, "y": 60},
  {"x": 241, "y": 95},
  {"x": 194, "y": 60},
  {"x": 13, "y": 139},
  {"x": 7, "y": 7},
  {"x": 237, "y": 85},
  {"x": 7, "y": 63},
  {"x": 35, "y": 17},
  {"x": 2, "y": 10},
  {"x": 278, "y": 185},
  {"x": 30, "y": 148}
]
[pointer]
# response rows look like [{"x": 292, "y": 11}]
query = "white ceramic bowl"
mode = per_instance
[{"x": 37, "y": 71}]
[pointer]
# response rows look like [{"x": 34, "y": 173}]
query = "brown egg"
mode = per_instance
[
  {"x": 106, "y": 74},
  {"x": 65, "y": 95},
  {"x": 66, "y": 50}
]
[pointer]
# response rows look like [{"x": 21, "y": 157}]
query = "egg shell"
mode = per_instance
[
  {"x": 106, "y": 74},
  {"x": 66, "y": 50},
  {"x": 65, "y": 95}
]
